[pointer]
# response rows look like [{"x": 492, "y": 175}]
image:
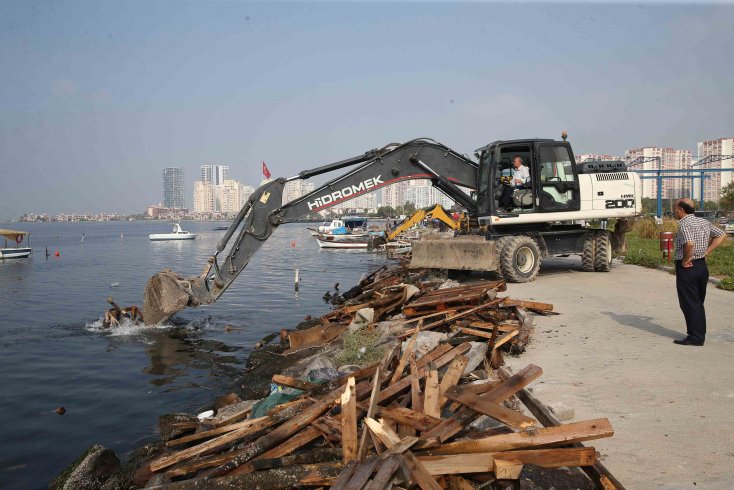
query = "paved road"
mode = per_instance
[{"x": 610, "y": 354}]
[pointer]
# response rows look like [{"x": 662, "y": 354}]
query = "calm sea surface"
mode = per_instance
[{"x": 115, "y": 383}]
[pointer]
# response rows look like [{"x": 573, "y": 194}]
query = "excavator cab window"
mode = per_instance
[
  {"x": 522, "y": 199},
  {"x": 557, "y": 182}
]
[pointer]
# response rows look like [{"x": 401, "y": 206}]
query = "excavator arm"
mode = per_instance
[
  {"x": 168, "y": 292},
  {"x": 436, "y": 212}
]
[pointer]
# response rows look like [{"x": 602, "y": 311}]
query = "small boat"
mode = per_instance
[
  {"x": 342, "y": 241},
  {"x": 176, "y": 234},
  {"x": 17, "y": 237}
]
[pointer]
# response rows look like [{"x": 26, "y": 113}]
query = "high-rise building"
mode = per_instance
[
  {"x": 670, "y": 159},
  {"x": 718, "y": 180},
  {"x": 422, "y": 194},
  {"x": 358, "y": 205},
  {"x": 173, "y": 188},
  {"x": 216, "y": 174},
  {"x": 295, "y": 189},
  {"x": 596, "y": 156},
  {"x": 393, "y": 195},
  {"x": 203, "y": 197}
]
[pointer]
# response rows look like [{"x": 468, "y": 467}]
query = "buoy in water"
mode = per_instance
[
  {"x": 60, "y": 410},
  {"x": 293, "y": 244},
  {"x": 56, "y": 253}
]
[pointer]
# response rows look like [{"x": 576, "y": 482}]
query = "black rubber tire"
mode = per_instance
[
  {"x": 602, "y": 251},
  {"x": 587, "y": 257},
  {"x": 519, "y": 259}
]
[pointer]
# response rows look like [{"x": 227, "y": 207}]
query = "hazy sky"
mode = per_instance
[{"x": 97, "y": 97}]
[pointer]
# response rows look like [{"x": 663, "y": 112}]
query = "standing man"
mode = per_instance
[
  {"x": 520, "y": 178},
  {"x": 696, "y": 239}
]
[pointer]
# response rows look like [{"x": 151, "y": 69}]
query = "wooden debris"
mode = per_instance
[
  {"x": 349, "y": 422},
  {"x": 411, "y": 436}
]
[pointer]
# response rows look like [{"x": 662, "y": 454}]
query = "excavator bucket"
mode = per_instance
[
  {"x": 165, "y": 294},
  {"x": 472, "y": 253}
]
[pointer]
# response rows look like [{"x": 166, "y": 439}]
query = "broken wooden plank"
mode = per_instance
[
  {"x": 452, "y": 376},
  {"x": 416, "y": 398},
  {"x": 420, "y": 474},
  {"x": 404, "y": 359},
  {"x": 528, "y": 305},
  {"x": 550, "y": 458},
  {"x": 543, "y": 437},
  {"x": 314, "y": 336},
  {"x": 455, "y": 464},
  {"x": 505, "y": 338},
  {"x": 349, "y": 421},
  {"x": 345, "y": 476},
  {"x": 396, "y": 388},
  {"x": 455, "y": 317},
  {"x": 507, "y": 470},
  {"x": 362, "y": 450},
  {"x": 432, "y": 394},
  {"x": 290, "y": 382},
  {"x": 384, "y": 474},
  {"x": 383, "y": 432},
  {"x": 453, "y": 425},
  {"x": 254, "y": 424},
  {"x": 362, "y": 474},
  {"x": 509, "y": 417},
  {"x": 405, "y": 416}
]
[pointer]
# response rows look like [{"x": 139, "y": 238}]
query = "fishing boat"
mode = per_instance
[
  {"x": 17, "y": 237},
  {"x": 342, "y": 241},
  {"x": 176, "y": 234}
]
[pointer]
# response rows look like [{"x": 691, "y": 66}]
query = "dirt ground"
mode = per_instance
[{"x": 610, "y": 354}]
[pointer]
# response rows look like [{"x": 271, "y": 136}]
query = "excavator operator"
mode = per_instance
[{"x": 520, "y": 178}]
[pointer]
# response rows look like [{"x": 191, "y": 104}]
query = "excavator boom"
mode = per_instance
[{"x": 168, "y": 292}]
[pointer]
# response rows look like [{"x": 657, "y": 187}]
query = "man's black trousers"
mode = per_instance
[{"x": 691, "y": 285}]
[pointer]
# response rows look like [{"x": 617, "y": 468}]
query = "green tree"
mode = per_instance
[
  {"x": 408, "y": 208},
  {"x": 385, "y": 211},
  {"x": 727, "y": 197}
]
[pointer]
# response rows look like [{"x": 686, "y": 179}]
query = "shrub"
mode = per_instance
[
  {"x": 351, "y": 353},
  {"x": 648, "y": 228}
]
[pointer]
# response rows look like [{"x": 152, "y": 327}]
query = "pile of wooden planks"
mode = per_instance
[
  {"x": 400, "y": 423},
  {"x": 473, "y": 311}
]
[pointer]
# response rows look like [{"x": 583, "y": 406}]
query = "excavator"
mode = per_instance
[
  {"x": 543, "y": 223},
  {"x": 435, "y": 212}
]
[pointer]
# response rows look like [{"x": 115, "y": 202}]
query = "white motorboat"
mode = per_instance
[
  {"x": 342, "y": 241},
  {"x": 176, "y": 234},
  {"x": 17, "y": 237}
]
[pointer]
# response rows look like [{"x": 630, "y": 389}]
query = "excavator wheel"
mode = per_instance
[
  {"x": 602, "y": 251},
  {"x": 519, "y": 258},
  {"x": 588, "y": 255}
]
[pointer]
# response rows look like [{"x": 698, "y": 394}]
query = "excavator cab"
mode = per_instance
[{"x": 553, "y": 183}]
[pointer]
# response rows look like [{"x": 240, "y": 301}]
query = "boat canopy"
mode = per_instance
[
  {"x": 15, "y": 235},
  {"x": 354, "y": 221}
]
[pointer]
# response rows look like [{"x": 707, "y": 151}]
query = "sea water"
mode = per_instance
[{"x": 114, "y": 383}]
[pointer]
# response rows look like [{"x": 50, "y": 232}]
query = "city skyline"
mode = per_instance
[{"x": 98, "y": 97}]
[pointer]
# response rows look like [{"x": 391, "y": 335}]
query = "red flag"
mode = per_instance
[{"x": 266, "y": 172}]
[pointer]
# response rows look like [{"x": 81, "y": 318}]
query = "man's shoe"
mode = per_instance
[{"x": 688, "y": 341}]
